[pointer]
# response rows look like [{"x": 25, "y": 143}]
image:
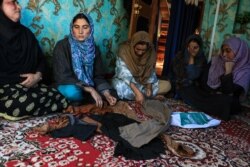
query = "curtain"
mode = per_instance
[{"x": 183, "y": 22}]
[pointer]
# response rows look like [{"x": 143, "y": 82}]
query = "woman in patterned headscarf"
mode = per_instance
[
  {"x": 135, "y": 76},
  {"x": 22, "y": 68},
  {"x": 77, "y": 65}
]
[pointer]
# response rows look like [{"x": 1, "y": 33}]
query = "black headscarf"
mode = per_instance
[
  {"x": 180, "y": 62},
  {"x": 19, "y": 51}
]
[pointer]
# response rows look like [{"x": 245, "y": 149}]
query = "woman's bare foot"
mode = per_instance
[
  {"x": 54, "y": 124},
  {"x": 42, "y": 129}
]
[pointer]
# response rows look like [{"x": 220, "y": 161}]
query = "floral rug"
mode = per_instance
[{"x": 227, "y": 145}]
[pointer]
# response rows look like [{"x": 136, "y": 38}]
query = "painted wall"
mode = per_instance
[
  {"x": 225, "y": 25},
  {"x": 50, "y": 20}
]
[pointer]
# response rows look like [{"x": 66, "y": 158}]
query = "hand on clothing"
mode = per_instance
[
  {"x": 229, "y": 67},
  {"x": 95, "y": 95},
  {"x": 139, "y": 97},
  {"x": 149, "y": 90},
  {"x": 111, "y": 99},
  {"x": 31, "y": 79}
]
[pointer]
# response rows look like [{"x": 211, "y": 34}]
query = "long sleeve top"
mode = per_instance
[
  {"x": 63, "y": 70},
  {"x": 122, "y": 72}
]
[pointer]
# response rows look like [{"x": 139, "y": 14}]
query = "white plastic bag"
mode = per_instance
[{"x": 193, "y": 120}]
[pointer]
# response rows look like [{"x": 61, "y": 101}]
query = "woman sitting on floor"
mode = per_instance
[
  {"x": 77, "y": 63},
  {"x": 22, "y": 68},
  {"x": 229, "y": 75},
  {"x": 135, "y": 76},
  {"x": 223, "y": 81},
  {"x": 187, "y": 66}
]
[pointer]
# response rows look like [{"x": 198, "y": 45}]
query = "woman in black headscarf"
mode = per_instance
[
  {"x": 188, "y": 64},
  {"x": 22, "y": 68}
]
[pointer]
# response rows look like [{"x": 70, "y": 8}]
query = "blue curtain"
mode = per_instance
[{"x": 183, "y": 22}]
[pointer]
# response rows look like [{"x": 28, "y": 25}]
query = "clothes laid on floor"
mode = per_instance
[
  {"x": 75, "y": 128},
  {"x": 138, "y": 134},
  {"x": 110, "y": 127}
]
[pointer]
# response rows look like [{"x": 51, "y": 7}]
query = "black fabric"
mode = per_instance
[
  {"x": 213, "y": 101},
  {"x": 228, "y": 86},
  {"x": 213, "y": 104},
  {"x": 110, "y": 124},
  {"x": 76, "y": 128},
  {"x": 19, "y": 51}
]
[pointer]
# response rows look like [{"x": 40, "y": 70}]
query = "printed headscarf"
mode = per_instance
[
  {"x": 241, "y": 69},
  {"x": 140, "y": 67},
  {"x": 83, "y": 54}
]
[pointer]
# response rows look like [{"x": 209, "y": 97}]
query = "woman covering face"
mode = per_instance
[{"x": 234, "y": 59}]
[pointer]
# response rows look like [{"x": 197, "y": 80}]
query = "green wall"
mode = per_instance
[
  {"x": 50, "y": 19},
  {"x": 225, "y": 25}
]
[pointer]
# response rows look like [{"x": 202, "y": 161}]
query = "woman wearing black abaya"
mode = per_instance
[{"x": 21, "y": 70}]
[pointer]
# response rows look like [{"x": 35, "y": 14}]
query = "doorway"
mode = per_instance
[
  {"x": 153, "y": 16},
  {"x": 162, "y": 32},
  {"x": 143, "y": 17}
]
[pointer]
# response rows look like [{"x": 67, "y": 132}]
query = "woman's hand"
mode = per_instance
[
  {"x": 149, "y": 90},
  {"x": 229, "y": 67},
  {"x": 95, "y": 95},
  {"x": 139, "y": 97},
  {"x": 111, "y": 99},
  {"x": 31, "y": 79}
]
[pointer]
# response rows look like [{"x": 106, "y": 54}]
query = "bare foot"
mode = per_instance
[{"x": 42, "y": 129}]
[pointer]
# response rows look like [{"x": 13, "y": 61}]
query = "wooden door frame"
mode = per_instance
[{"x": 152, "y": 27}]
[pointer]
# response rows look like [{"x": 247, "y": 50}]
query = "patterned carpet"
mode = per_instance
[{"x": 227, "y": 145}]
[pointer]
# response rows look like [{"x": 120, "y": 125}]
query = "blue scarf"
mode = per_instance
[{"x": 83, "y": 54}]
